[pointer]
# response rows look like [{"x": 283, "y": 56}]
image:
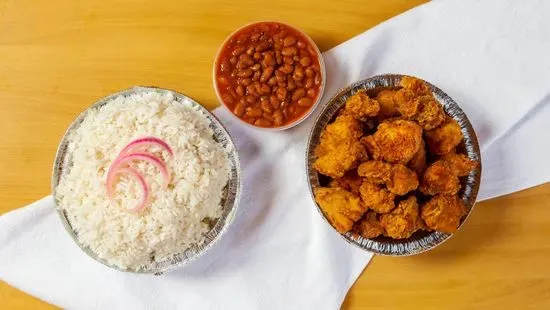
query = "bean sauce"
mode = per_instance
[{"x": 268, "y": 74}]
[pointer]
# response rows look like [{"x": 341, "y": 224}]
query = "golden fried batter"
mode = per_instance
[
  {"x": 443, "y": 213},
  {"x": 388, "y": 105},
  {"x": 341, "y": 207},
  {"x": 440, "y": 178},
  {"x": 430, "y": 113},
  {"x": 418, "y": 162},
  {"x": 406, "y": 102},
  {"x": 375, "y": 171},
  {"x": 417, "y": 86},
  {"x": 350, "y": 182},
  {"x": 340, "y": 148},
  {"x": 376, "y": 198},
  {"x": 460, "y": 163},
  {"x": 369, "y": 226},
  {"x": 402, "y": 181},
  {"x": 444, "y": 138},
  {"x": 395, "y": 142},
  {"x": 403, "y": 221},
  {"x": 361, "y": 106}
]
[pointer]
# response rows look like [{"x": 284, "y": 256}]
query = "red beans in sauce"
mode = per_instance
[{"x": 268, "y": 74}]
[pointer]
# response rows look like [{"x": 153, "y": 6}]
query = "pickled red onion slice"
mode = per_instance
[
  {"x": 145, "y": 142},
  {"x": 123, "y": 159},
  {"x": 138, "y": 177}
]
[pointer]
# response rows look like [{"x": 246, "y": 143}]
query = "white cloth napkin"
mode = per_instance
[{"x": 490, "y": 56}]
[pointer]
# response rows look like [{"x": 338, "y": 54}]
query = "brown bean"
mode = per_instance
[
  {"x": 277, "y": 45},
  {"x": 299, "y": 83},
  {"x": 240, "y": 90},
  {"x": 255, "y": 36},
  {"x": 278, "y": 117},
  {"x": 256, "y": 67},
  {"x": 288, "y": 41},
  {"x": 269, "y": 60},
  {"x": 272, "y": 81},
  {"x": 289, "y": 51},
  {"x": 290, "y": 85},
  {"x": 262, "y": 46},
  {"x": 287, "y": 69},
  {"x": 298, "y": 74},
  {"x": 311, "y": 93},
  {"x": 231, "y": 92},
  {"x": 286, "y": 112},
  {"x": 222, "y": 80},
  {"x": 253, "y": 111},
  {"x": 309, "y": 83},
  {"x": 297, "y": 94},
  {"x": 263, "y": 27},
  {"x": 251, "y": 99},
  {"x": 256, "y": 87},
  {"x": 256, "y": 76},
  {"x": 268, "y": 116},
  {"x": 305, "y": 61},
  {"x": 246, "y": 59},
  {"x": 239, "y": 109},
  {"x": 262, "y": 122},
  {"x": 305, "y": 102},
  {"x": 281, "y": 77},
  {"x": 251, "y": 90},
  {"x": 227, "y": 99},
  {"x": 225, "y": 65},
  {"x": 301, "y": 44},
  {"x": 292, "y": 110},
  {"x": 317, "y": 79},
  {"x": 279, "y": 57},
  {"x": 310, "y": 72},
  {"x": 266, "y": 73},
  {"x": 237, "y": 51},
  {"x": 296, "y": 58},
  {"x": 245, "y": 73},
  {"x": 241, "y": 64},
  {"x": 246, "y": 82},
  {"x": 250, "y": 50},
  {"x": 265, "y": 89},
  {"x": 275, "y": 103},
  {"x": 266, "y": 106},
  {"x": 281, "y": 93},
  {"x": 288, "y": 60},
  {"x": 315, "y": 67},
  {"x": 233, "y": 60},
  {"x": 257, "y": 56}
]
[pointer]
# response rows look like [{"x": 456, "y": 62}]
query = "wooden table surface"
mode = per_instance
[{"x": 57, "y": 57}]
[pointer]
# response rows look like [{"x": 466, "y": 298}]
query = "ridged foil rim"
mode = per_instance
[
  {"x": 230, "y": 199},
  {"x": 420, "y": 241}
]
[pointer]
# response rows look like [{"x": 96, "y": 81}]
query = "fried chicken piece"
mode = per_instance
[
  {"x": 440, "y": 178},
  {"x": 402, "y": 181},
  {"x": 395, "y": 142},
  {"x": 430, "y": 113},
  {"x": 376, "y": 198},
  {"x": 443, "y": 213},
  {"x": 460, "y": 163},
  {"x": 375, "y": 171},
  {"x": 443, "y": 139},
  {"x": 361, "y": 106},
  {"x": 350, "y": 182},
  {"x": 417, "y": 86},
  {"x": 340, "y": 148},
  {"x": 369, "y": 226},
  {"x": 406, "y": 102},
  {"x": 341, "y": 207},
  {"x": 388, "y": 105},
  {"x": 403, "y": 221},
  {"x": 418, "y": 162}
]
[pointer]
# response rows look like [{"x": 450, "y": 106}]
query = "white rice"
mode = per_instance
[{"x": 175, "y": 218}]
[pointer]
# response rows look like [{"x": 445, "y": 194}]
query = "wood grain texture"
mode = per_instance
[{"x": 57, "y": 57}]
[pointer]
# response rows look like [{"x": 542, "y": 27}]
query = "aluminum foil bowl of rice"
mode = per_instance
[
  {"x": 146, "y": 180},
  {"x": 423, "y": 238}
]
